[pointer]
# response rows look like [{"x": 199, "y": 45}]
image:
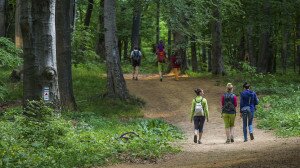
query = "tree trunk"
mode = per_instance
[
  {"x": 116, "y": 85},
  {"x": 126, "y": 55},
  {"x": 100, "y": 43},
  {"x": 265, "y": 62},
  {"x": 169, "y": 41},
  {"x": 285, "y": 49},
  {"x": 204, "y": 57},
  {"x": 298, "y": 37},
  {"x": 2, "y": 18},
  {"x": 217, "y": 64},
  {"x": 157, "y": 21},
  {"x": 209, "y": 69},
  {"x": 40, "y": 70},
  {"x": 120, "y": 48},
  {"x": 88, "y": 15},
  {"x": 194, "y": 54},
  {"x": 136, "y": 24},
  {"x": 64, "y": 17},
  {"x": 250, "y": 45},
  {"x": 18, "y": 34},
  {"x": 179, "y": 45}
]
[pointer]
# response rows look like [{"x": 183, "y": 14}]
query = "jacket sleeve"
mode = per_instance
[
  {"x": 222, "y": 101},
  {"x": 241, "y": 102},
  {"x": 235, "y": 101},
  {"x": 205, "y": 108},
  {"x": 192, "y": 109},
  {"x": 255, "y": 99}
]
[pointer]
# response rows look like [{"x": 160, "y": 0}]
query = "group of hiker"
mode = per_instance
[
  {"x": 248, "y": 102},
  {"x": 161, "y": 57}
]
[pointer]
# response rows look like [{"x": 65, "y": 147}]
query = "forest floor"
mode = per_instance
[{"x": 171, "y": 101}]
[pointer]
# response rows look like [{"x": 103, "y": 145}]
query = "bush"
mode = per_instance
[{"x": 9, "y": 54}]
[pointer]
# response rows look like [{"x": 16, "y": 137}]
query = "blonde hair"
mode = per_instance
[{"x": 229, "y": 87}]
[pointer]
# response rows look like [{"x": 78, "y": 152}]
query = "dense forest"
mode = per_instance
[{"x": 65, "y": 96}]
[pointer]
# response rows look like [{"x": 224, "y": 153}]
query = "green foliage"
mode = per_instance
[
  {"x": 281, "y": 113},
  {"x": 9, "y": 91},
  {"x": 9, "y": 54}
]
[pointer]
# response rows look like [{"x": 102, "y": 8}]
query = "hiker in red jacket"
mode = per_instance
[{"x": 175, "y": 63}]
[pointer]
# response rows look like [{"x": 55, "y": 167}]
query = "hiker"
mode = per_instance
[
  {"x": 248, "y": 101},
  {"x": 229, "y": 103},
  {"x": 175, "y": 63},
  {"x": 136, "y": 57},
  {"x": 160, "y": 46},
  {"x": 199, "y": 112},
  {"x": 161, "y": 59}
]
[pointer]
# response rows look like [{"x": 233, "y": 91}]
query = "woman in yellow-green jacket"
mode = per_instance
[{"x": 199, "y": 112}]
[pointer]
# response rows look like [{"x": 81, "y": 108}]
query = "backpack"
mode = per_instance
[
  {"x": 178, "y": 61},
  {"x": 136, "y": 56},
  {"x": 161, "y": 56},
  {"x": 199, "y": 108},
  {"x": 228, "y": 105}
]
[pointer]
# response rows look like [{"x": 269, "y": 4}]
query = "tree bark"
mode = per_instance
[
  {"x": 194, "y": 54},
  {"x": 157, "y": 21},
  {"x": 204, "y": 56},
  {"x": 250, "y": 45},
  {"x": 180, "y": 50},
  {"x": 126, "y": 55},
  {"x": 169, "y": 40},
  {"x": 2, "y": 18},
  {"x": 136, "y": 24},
  {"x": 88, "y": 15},
  {"x": 298, "y": 37},
  {"x": 217, "y": 64},
  {"x": 39, "y": 51},
  {"x": 100, "y": 43},
  {"x": 209, "y": 68},
  {"x": 64, "y": 17},
  {"x": 116, "y": 85},
  {"x": 18, "y": 34},
  {"x": 120, "y": 48},
  {"x": 285, "y": 49}
]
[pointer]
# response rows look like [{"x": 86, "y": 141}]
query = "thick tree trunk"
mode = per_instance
[
  {"x": 64, "y": 17},
  {"x": 18, "y": 34},
  {"x": 2, "y": 18},
  {"x": 265, "y": 60},
  {"x": 100, "y": 43},
  {"x": 194, "y": 54},
  {"x": 88, "y": 15},
  {"x": 217, "y": 64},
  {"x": 136, "y": 24},
  {"x": 179, "y": 45},
  {"x": 39, "y": 52},
  {"x": 116, "y": 85},
  {"x": 157, "y": 21}
]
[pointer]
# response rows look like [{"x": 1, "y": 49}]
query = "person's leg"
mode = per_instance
[
  {"x": 176, "y": 73},
  {"x": 245, "y": 120},
  {"x": 250, "y": 115},
  {"x": 196, "y": 128},
  {"x": 201, "y": 125},
  {"x": 133, "y": 71},
  {"x": 232, "y": 120},
  {"x": 136, "y": 72},
  {"x": 227, "y": 131},
  {"x": 159, "y": 65}
]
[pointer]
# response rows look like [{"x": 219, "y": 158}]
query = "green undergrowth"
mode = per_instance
[{"x": 9, "y": 91}]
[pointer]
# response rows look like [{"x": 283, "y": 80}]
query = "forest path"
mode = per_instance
[{"x": 171, "y": 101}]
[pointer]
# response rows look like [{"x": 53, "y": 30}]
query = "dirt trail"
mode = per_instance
[{"x": 171, "y": 100}]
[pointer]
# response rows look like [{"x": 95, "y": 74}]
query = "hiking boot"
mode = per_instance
[
  {"x": 160, "y": 79},
  {"x": 245, "y": 140},
  {"x": 136, "y": 78},
  {"x": 195, "y": 138},
  {"x": 251, "y": 136},
  {"x": 227, "y": 141},
  {"x": 199, "y": 142},
  {"x": 232, "y": 140}
]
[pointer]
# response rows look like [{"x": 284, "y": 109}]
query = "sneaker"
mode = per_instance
[
  {"x": 251, "y": 136},
  {"x": 199, "y": 142},
  {"x": 160, "y": 79},
  {"x": 232, "y": 140},
  {"x": 195, "y": 138},
  {"x": 227, "y": 141}
]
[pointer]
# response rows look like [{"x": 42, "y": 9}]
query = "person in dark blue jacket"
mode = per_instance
[{"x": 248, "y": 101}]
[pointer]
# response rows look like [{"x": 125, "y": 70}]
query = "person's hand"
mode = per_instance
[
  {"x": 241, "y": 115},
  {"x": 207, "y": 119}
]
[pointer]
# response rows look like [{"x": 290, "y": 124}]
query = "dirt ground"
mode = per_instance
[{"x": 171, "y": 100}]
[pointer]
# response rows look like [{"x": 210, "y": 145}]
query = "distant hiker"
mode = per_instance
[
  {"x": 175, "y": 63},
  {"x": 248, "y": 101},
  {"x": 199, "y": 112},
  {"x": 136, "y": 57},
  {"x": 161, "y": 60},
  {"x": 229, "y": 103},
  {"x": 160, "y": 46}
]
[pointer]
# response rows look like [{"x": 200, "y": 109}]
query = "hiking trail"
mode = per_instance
[{"x": 171, "y": 101}]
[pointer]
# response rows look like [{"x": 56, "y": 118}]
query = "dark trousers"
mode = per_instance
[{"x": 199, "y": 123}]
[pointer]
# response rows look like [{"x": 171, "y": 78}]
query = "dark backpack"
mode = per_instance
[
  {"x": 161, "y": 56},
  {"x": 228, "y": 103},
  {"x": 136, "y": 56}
]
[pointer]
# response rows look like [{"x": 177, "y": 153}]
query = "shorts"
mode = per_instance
[
  {"x": 229, "y": 120},
  {"x": 199, "y": 123},
  {"x": 136, "y": 63}
]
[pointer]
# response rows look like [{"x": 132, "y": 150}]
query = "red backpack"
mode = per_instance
[{"x": 161, "y": 56}]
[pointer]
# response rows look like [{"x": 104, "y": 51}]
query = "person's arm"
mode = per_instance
[
  {"x": 235, "y": 100},
  {"x": 205, "y": 108},
  {"x": 222, "y": 100},
  {"x": 241, "y": 104},
  {"x": 193, "y": 109}
]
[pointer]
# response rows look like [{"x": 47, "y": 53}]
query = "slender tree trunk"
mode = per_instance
[
  {"x": 217, "y": 64},
  {"x": 298, "y": 37},
  {"x": 169, "y": 41},
  {"x": 136, "y": 24},
  {"x": 179, "y": 44},
  {"x": 250, "y": 46},
  {"x": 120, "y": 48},
  {"x": 100, "y": 43},
  {"x": 265, "y": 62},
  {"x": 209, "y": 68},
  {"x": 18, "y": 34},
  {"x": 157, "y": 21},
  {"x": 2, "y": 18},
  {"x": 204, "y": 56},
  {"x": 126, "y": 55},
  {"x": 194, "y": 54},
  {"x": 88, "y": 15},
  {"x": 64, "y": 17},
  {"x": 39, "y": 52},
  {"x": 284, "y": 49},
  {"x": 116, "y": 85}
]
